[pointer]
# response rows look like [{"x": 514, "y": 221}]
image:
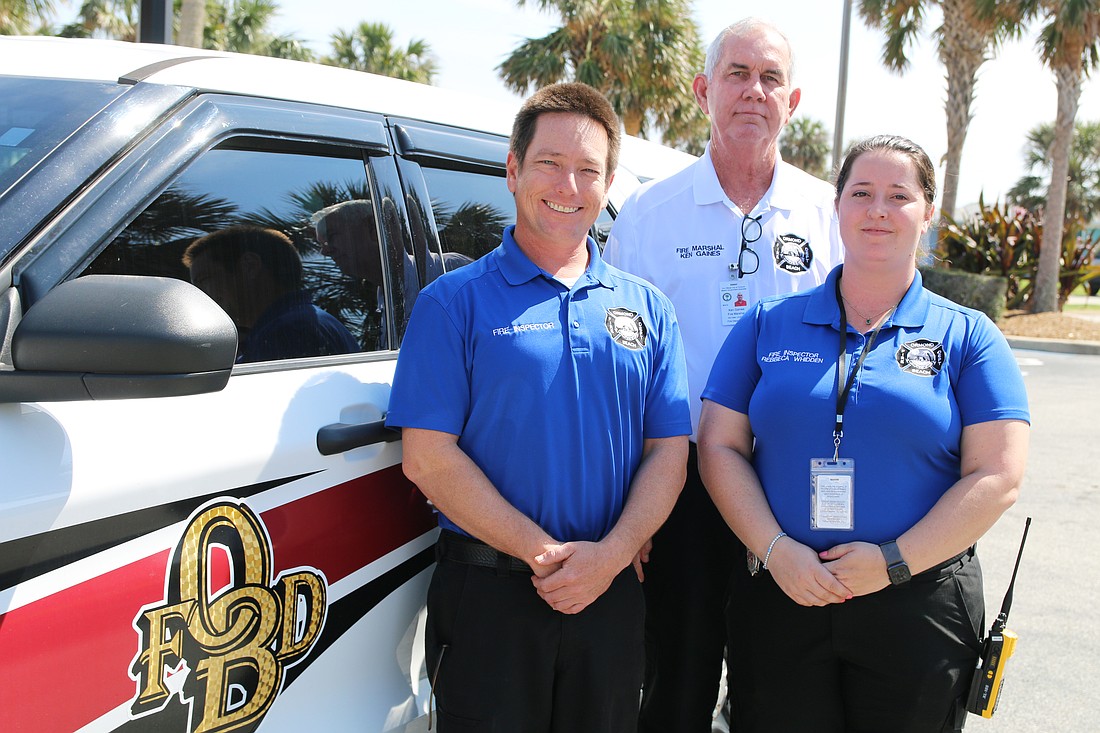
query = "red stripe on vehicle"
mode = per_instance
[{"x": 65, "y": 659}]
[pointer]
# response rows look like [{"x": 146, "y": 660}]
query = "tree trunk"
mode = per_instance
[
  {"x": 632, "y": 122},
  {"x": 962, "y": 51},
  {"x": 1044, "y": 296},
  {"x": 192, "y": 23}
]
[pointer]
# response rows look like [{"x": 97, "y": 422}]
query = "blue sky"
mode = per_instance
[{"x": 1015, "y": 92}]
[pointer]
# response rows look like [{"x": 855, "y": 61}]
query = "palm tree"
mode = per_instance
[
  {"x": 642, "y": 54},
  {"x": 117, "y": 19},
  {"x": 1068, "y": 44},
  {"x": 243, "y": 26},
  {"x": 20, "y": 16},
  {"x": 369, "y": 47},
  {"x": 226, "y": 25},
  {"x": 966, "y": 38},
  {"x": 806, "y": 144},
  {"x": 1083, "y": 184}
]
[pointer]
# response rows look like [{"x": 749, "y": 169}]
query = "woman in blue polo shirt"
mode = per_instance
[{"x": 859, "y": 438}]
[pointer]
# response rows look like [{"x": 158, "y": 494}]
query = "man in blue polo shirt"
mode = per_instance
[{"x": 543, "y": 404}]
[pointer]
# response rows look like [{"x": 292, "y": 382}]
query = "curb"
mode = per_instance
[{"x": 1062, "y": 346}]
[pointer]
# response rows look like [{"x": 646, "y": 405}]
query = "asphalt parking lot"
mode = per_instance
[{"x": 1049, "y": 684}]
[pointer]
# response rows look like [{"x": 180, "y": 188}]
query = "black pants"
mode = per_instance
[
  {"x": 899, "y": 660},
  {"x": 502, "y": 660},
  {"x": 687, "y": 583}
]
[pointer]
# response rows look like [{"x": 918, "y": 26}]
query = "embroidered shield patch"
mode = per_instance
[
  {"x": 792, "y": 253},
  {"x": 626, "y": 328},
  {"x": 921, "y": 357}
]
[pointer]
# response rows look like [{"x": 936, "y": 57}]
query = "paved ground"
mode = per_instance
[{"x": 1050, "y": 684}]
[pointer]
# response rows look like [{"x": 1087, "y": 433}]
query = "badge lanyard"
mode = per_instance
[
  {"x": 841, "y": 366},
  {"x": 832, "y": 482}
]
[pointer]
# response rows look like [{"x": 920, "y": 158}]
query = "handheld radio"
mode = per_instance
[{"x": 999, "y": 645}]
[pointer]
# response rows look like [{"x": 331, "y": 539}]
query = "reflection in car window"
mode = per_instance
[
  {"x": 277, "y": 190},
  {"x": 255, "y": 275},
  {"x": 471, "y": 211},
  {"x": 36, "y": 116}
]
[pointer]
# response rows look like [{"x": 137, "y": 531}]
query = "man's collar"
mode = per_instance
[
  {"x": 708, "y": 189},
  {"x": 517, "y": 268}
]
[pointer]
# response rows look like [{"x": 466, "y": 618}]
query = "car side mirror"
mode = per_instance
[{"x": 104, "y": 337}]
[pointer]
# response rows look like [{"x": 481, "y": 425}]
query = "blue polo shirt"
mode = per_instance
[
  {"x": 551, "y": 390},
  {"x": 292, "y": 328},
  {"x": 935, "y": 368}
]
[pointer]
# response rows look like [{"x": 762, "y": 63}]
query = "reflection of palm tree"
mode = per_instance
[
  {"x": 472, "y": 229},
  {"x": 332, "y": 291},
  {"x": 154, "y": 242}
]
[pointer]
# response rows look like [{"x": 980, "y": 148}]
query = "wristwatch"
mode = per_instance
[{"x": 896, "y": 566}]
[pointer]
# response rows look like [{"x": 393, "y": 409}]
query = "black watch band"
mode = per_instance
[{"x": 896, "y": 567}]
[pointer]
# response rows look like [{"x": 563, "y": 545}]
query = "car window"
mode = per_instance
[
  {"x": 470, "y": 210},
  {"x": 38, "y": 114},
  {"x": 285, "y": 239}
]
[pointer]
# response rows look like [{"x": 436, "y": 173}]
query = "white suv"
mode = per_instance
[{"x": 192, "y": 537}]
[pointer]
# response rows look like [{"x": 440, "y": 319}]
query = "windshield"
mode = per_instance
[{"x": 38, "y": 114}]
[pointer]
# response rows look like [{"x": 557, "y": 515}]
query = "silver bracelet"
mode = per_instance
[{"x": 771, "y": 546}]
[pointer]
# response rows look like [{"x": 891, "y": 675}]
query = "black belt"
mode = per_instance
[{"x": 459, "y": 548}]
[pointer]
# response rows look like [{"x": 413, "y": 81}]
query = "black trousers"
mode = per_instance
[
  {"x": 899, "y": 660},
  {"x": 502, "y": 660},
  {"x": 687, "y": 582}
]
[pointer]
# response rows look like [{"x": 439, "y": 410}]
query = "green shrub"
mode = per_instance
[
  {"x": 981, "y": 292},
  {"x": 1006, "y": 241}
]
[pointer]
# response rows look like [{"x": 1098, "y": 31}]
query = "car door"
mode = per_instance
[{"x": 240, "y": 558}]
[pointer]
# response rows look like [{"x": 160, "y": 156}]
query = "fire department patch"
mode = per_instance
[
  {"x": 792, "y": 253},
  {"x": 626, "y": 328},
  {"x": 921, "y": 357}
]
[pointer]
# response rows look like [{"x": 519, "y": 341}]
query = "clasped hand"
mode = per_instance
[
  {"x": 833, "y": 576},
  {"x": 580, "y": 573}
]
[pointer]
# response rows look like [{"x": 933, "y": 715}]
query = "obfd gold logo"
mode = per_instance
[{"x": 225, "y": 634}]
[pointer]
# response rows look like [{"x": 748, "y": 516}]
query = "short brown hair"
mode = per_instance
[
  {"x": 570, "y": 97},
  {"x": 227, "y": 246}
]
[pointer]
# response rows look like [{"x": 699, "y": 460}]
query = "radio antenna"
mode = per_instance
[{"x": 1002, "y": 617}]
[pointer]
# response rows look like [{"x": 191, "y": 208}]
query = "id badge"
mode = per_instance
[
  {"x": 734, "y": 300},
  {"x": 832, "y": 487}
]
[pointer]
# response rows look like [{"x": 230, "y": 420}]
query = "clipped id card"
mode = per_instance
[{"x": 832, "y": 493}]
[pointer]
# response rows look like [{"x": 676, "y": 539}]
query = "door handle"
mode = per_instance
[{"x": 341, "y": 437}]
